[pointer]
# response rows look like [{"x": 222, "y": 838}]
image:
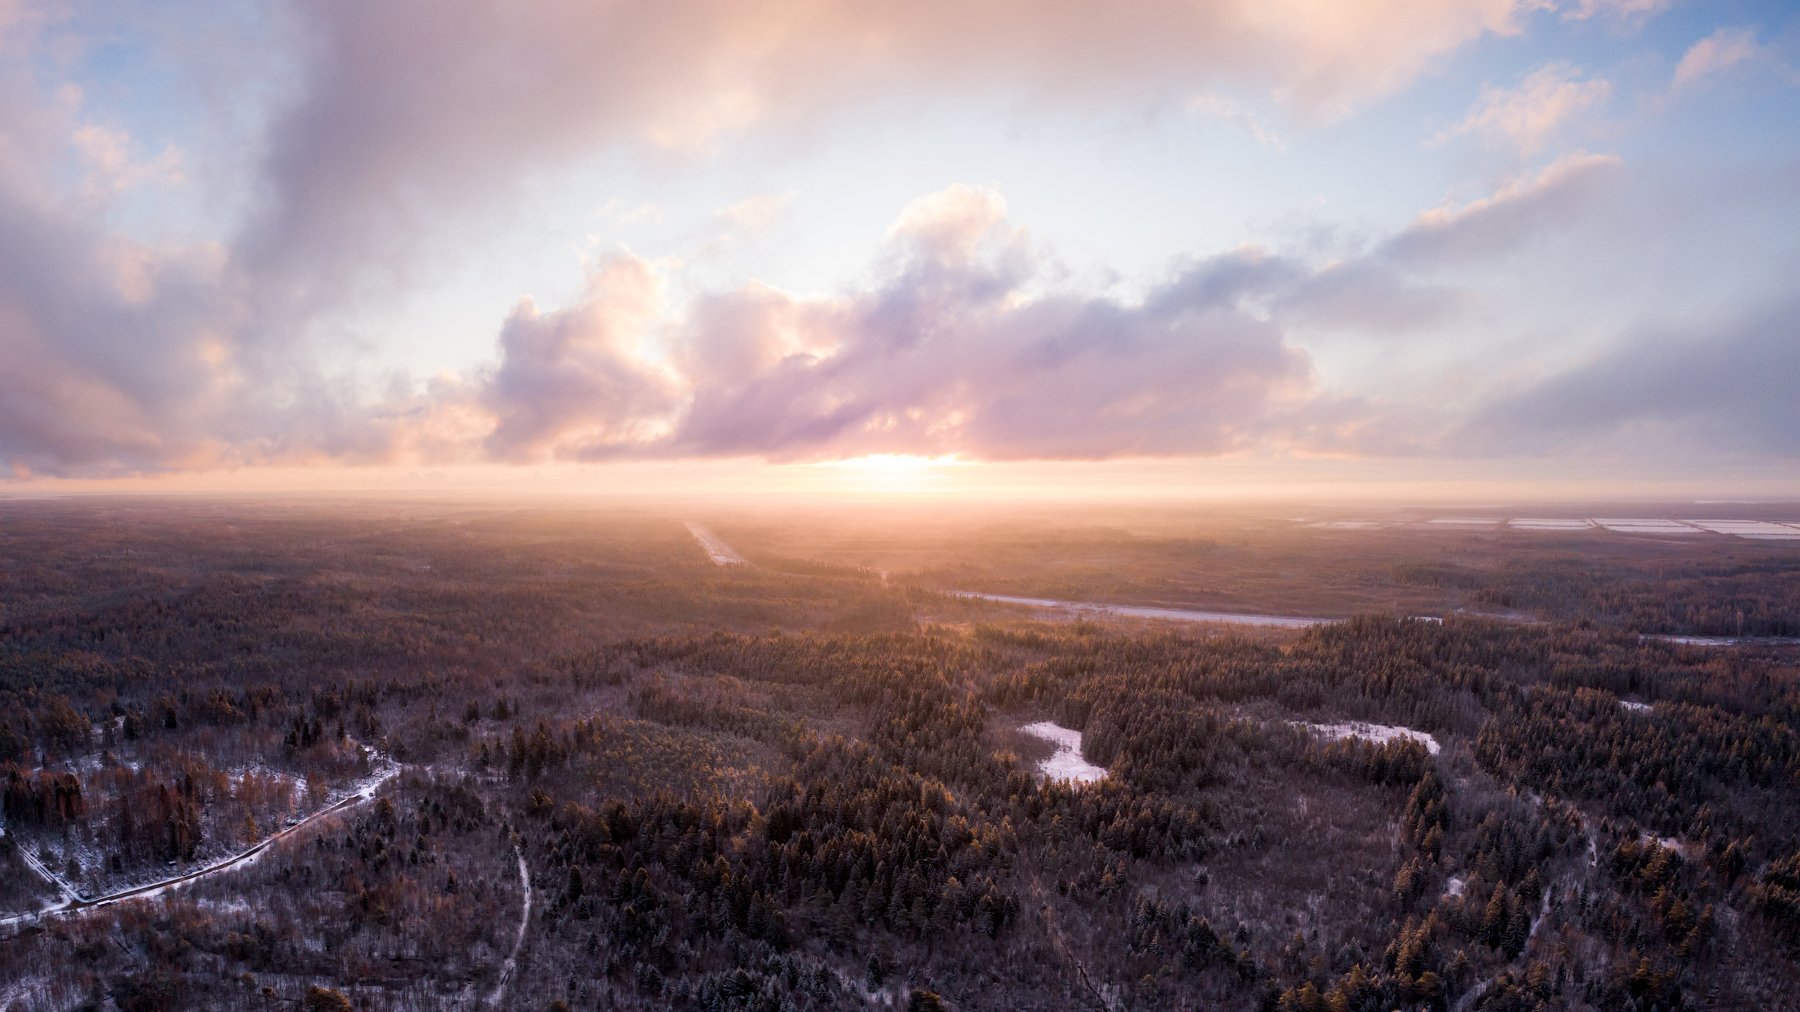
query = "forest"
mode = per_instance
[{"x": 454, "y": 755}]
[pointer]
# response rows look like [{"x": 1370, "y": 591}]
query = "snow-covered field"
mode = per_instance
[
  {"x": 1354, "y": 525},
  {"x": 1548, "y": 524},
  {"x": 1644, "y": 525},
  {"x": 1066, "y": 763},
  {"x": 1755, "y": 530},
  {"x": 718, "y": 551},
  {"x": 1760, "y": 530},
  {"x": 1147, "y": 611},
  {"x": 1381, "y": 733}
]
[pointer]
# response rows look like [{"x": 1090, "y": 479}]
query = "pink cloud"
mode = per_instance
[
  {"x": 1714, "y": 55},
  {"x": 1528, "y": 115}
]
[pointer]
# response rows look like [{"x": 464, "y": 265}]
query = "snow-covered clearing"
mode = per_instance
[
  {"x": 1454, "y": 885},
  {"x": 1087, "y": 609},
  {"x": 718, "y": 551},
  {"x": 1066, "y": 763},
  {"x": 1379, "y": 733},
  {"x": 1635, "y": 706}
]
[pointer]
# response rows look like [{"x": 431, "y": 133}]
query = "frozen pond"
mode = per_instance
[
  {"x": 718, "y": 551},
  {"x": 1146, "y": 611},
  {"x": 1066, "y": 763},
  {"x": 1379, "y": 733}
]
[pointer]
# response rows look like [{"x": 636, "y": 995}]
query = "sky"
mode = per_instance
[{"x": 1541, "y": 245}]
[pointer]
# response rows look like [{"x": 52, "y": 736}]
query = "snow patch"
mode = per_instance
[
  {"x": 1067, "y": 762},
  {"x": 1379, "y": 733},
  {"x": 1634, "y": 706}
]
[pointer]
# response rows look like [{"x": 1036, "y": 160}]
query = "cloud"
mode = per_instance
[
  {"x": 357, "y": 128},
  {"x": 1493, "y": 225},
  {"x": 1227, "y": 111},
  {"x": 406, "y": 108},
  {"x": 1617, "y": 10},
  {"x": 949, "y": 352},
  {"x": 125, "y": 355},
  {"x": 1660, "y": 394},
  {"x": 960, "y": 345},
  {"x": 1719, "y": 52},
  {"x": 575, "y": 381},
  {"x": 752, "y": 216},
  {"x": 1528, "y": 115}
]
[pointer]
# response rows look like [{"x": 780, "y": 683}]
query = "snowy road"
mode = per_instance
[
  {"x": 512, "y": 961},
  {"x": 718, "y": 551},
  {"x": 71, "y": 902}
]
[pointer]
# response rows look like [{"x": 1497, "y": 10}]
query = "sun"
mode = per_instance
[{"x": 889, "y": 473}]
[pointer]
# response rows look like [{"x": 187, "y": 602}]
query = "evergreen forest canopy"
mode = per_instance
[{"x": 557, "y": 758}]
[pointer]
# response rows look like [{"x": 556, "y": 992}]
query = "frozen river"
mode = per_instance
[{"x": 1147, "y": 611}]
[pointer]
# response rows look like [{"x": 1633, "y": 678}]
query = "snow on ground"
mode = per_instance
[
  {"x": 1454, "y": 886},
  {"x": 718, "y": 551},
  {"x": 1666, "y": 842},
  {"x": 1635, "y": 706},
  {"x": 1066, "y": 763},
  {"x": 1465, "y": 521},
  {"x": 1548, "y": 524},
  {"x": 1147, "y": 611},
  {"x": 1380, "y": 733}
]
